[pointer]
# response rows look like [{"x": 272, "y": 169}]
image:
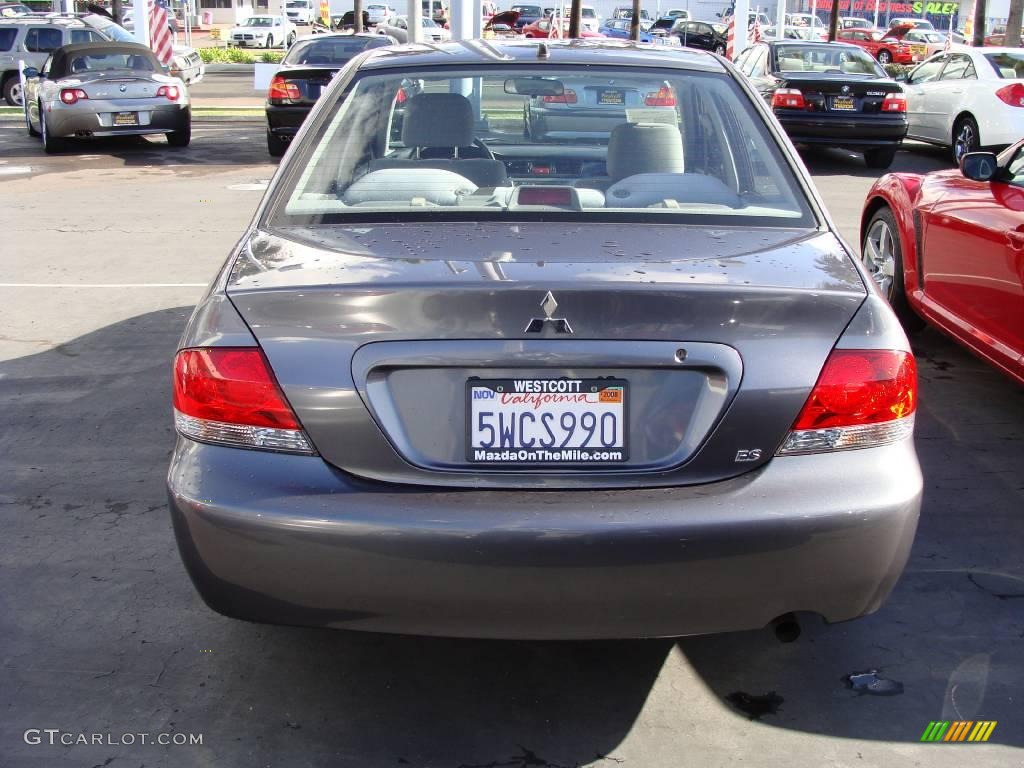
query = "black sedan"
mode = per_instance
[
  {"x": 308, "y": 67},
  {"x": 830, "y": 93},
  {"x": 700, "y": 34}
]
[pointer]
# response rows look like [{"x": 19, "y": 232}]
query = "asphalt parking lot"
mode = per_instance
[{"x": 106, "y": 249}]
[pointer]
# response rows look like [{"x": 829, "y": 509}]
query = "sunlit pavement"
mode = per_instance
[{"x": 104, "y": 251}]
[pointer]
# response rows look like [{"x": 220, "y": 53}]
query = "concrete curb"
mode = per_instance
[{"x": 233, "y": 69}]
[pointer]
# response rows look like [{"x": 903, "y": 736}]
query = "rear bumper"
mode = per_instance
[
  {"x": 285, "y": 121},
  {"x": 289, "y": 539},
  {"x": 97, "y": 120},
  {"x": 842, "y": 130}
]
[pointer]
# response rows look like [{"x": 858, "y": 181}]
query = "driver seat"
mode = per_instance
[{"x": 437, "y": 129}]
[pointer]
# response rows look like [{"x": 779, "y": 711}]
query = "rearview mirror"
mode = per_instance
[
  {"x": 30, "y": 72},
  {"x": 533, "y": 86},
  {"x": 979, "y": 166}
]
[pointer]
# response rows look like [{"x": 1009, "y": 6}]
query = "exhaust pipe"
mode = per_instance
[{"x": 786, "y": 627}]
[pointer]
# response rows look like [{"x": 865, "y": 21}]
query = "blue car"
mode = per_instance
[{"x": 619, "y": 28}]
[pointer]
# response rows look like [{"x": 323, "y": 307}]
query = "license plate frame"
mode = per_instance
[
  {"x": 618, "y": 101},
  {"x": 600, "y": 393},
  {"x": 125, "y": 120},
  {"x": 843, "y": 104}
]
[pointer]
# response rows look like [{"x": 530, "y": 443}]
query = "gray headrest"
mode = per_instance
[
  {"x": 644, "y": 148},
  {"x": 438, "y": 120}
]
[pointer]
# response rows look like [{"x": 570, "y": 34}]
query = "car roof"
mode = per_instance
[
  {"x": 592, "y": 51},
  {"x": 814, "y": 44},
  {"x": 73, "y": 21}
]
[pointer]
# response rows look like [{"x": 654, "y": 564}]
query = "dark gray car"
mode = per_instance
[{"x": 456, "y": 381}]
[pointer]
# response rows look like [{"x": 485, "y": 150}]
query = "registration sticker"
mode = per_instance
[{"x": 530, "y": 422}]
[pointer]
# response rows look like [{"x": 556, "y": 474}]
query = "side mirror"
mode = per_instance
[
  {"x": 979, "y": 166},
  {"x": 30, "y": 72}
]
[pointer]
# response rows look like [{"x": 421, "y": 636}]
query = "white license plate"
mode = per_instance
[{"x": 527, "y": 422}]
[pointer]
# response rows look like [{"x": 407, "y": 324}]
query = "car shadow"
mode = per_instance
[
  {"x": 949, "y": 642},
  {"x": 913, "y": 157},
  {"x": 94, "y": 596}
]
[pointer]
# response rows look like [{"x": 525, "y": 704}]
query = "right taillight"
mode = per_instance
[
  {"x": 228, "y": 395},
  {"x": 1012, "y": 94},
  {"x": 282, "y": 89},
  {"x": 863, "y": 397},
  {"x": 894, "y": 102},
  {"x": 788, "y": 98}
]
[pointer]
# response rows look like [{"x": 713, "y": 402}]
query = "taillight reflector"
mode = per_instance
[
  {"x": 282, "y": 89},
  {"x": 788, "y": 98},
  {"x": 863, "y": 397},
  {"x": 72, "y": 95},
  {"x": 566, "y": 97},
  {"x": 1012, "y": 94},
  {"x": 894, "y": 102},
  {"x": 663, "y": 97}
]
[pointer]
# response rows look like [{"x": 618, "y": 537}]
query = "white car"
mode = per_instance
[
  {"x": 589, "y": 18},
  {"x": 398, "y": 28},
  {"x": 967, "y": 99},
  {"x": 263, "y": 32},
  {"x": 817, "y": 26},
  {"x": 301, "y": 11},
  {"x": 379, "y": 12}
]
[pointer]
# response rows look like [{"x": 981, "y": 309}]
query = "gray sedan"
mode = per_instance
[
  {"x": 453, "y": 380},
  {"x": 90, "y": 90}
]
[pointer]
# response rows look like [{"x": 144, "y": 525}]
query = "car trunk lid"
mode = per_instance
[
  {"x": 120, "y": 87},
  {"x": 381, "y": 337},
  {"x": 825, "y": 92}
]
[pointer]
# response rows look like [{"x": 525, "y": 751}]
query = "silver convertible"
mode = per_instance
[
  {"x": 454, "y": 380},
  {"x": 89, "y": 90}
]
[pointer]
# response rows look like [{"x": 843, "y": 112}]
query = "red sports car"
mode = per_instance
[
  {"x": 948, "y": 247},
  {"x": 542, "y": 29},
  {"x": 886, "y": 50}
]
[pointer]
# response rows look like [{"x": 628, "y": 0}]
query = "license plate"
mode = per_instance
[
  {"x": 126, "y": 118},
  {"x": 844, "y": 104},
  {"x": 920, "y": 50},
  {"x": 616, "y": 98},
  {"x": 528, "y": 422}
]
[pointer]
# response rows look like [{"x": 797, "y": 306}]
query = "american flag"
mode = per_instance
[
  {"x": 756, "y": 32},
  {"x": 159, "y": 32},
  {"x": 555, "y": 30}
]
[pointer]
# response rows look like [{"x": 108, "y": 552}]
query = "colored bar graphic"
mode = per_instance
[{"x": 958, "y": 730}]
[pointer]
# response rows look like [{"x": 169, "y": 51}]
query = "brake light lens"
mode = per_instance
[
  {"x": 282, "y": 89},
  {"x": 863, "y": 397},
  {"x": 788, "y": 98},
  {"x": 664, "y": 97},
  {"x": 894, "y": 102},
  {"x": 401, "y": 97},
  {"x": 1012, "y": 95},
  {"x": 228, "y": 395},
  {"x": 72, "y": 95},
  {"x": 566, "y": 97},
  {"x": 169, "y": 92}
]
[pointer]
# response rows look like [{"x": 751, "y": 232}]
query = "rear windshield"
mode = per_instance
[
  {"x": 1009, "y": 66},
  {"x": 333, "y": 50},
  {"x": 97, "y": 62},
  {"x": 540, "y": 143},
  {"x": 827, "y": 59}
]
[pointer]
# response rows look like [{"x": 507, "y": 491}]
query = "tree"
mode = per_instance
[
  {"x": 357, "y": 14},
  {"x": 833, "y": 23},
  {"x": 978, "y": 36},
  {"x": 575, "y": 18},
  {"x": 634, "y": 21},
  {"x": 1013, "y": 23},
  {"x": 117, "y": 10}
]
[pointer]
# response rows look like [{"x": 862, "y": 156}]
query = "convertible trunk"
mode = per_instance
[{"x": 550, "y": 356}]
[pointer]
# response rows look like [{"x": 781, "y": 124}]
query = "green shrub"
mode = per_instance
[
  {"x": 238, "y": 56},
  {"x": 892, "y": 70}
]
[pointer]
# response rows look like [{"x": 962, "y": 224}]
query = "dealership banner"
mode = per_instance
[{"x": 896, "y": 7}]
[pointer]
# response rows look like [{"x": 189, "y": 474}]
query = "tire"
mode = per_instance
[
  {"x": 50, "y": 144},
  {"x": 884, "y": 57},
  {"x": 275, "y": 146},
  {"x": 270, "y": 41},
  {"x": 882, "y": 256},
  {"x": 28, "y": 124},
  {"x": 12, "y": 91},
  {"x": 182, "y": 136},
  {"x": 879, "y": 158},
  {"x": 720, "y": 49},
  {"x": 966, "y": 137}
]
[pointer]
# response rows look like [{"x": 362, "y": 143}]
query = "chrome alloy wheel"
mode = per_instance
[{"x": 879, "y": 257}]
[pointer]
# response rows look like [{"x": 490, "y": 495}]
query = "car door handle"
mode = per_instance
[
  {"x": 1016, "y": 239},
  {"x": 957, "y": 92}
]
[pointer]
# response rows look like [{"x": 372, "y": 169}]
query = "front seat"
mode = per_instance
[{"x": 438, "y": 129}]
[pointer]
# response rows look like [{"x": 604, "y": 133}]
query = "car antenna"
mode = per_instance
[{"x": 542, "y": 51}]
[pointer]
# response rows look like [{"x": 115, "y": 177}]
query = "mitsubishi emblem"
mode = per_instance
[{"x": 549, "y": 305}]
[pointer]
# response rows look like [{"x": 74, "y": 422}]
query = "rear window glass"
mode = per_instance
[
  {"x": 826, "y": 59},
  {"x": 541, "y": 143},
  {"x": 333, "y": 50},
  {"x": 95, "y": 62},
  {"x": 1009, "y": 66},
  {"x": 7, "y": 36}
]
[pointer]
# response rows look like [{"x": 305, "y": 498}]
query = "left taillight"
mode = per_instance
[
  {"x": 169, "y": 92},
  {"x": 228, "y": 395},
  {"x": 863, "y": 398},
  {"x": 788, "y": 98},
  {"x": 72, "y": 95},
  {"x": 282, "y": 89}
]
